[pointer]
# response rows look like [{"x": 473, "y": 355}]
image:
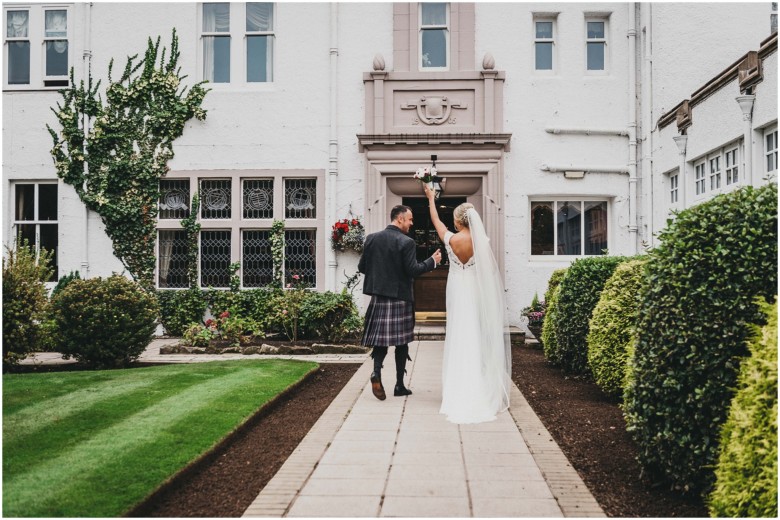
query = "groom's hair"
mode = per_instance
[{"x": 398, "y": 210}]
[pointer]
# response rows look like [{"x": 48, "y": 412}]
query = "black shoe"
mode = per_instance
[
  {"x": 376, "y": 386},
  {"x": 401, "y": 390}
]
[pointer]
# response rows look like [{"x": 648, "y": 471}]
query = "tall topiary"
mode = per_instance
[
  {"x": 549, "y": 341},
  {"x": 114, "y": 154},
  {"x": 612, "y": 327},
  {"x": 24, "y": 300},
  {"x": 579, "y": 293},
  {"x": 696, "y": 303},
  {"x": 746, "y": 475},
  {"x": 551, "y": 303}
]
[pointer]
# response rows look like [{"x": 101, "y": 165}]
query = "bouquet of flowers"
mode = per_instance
[
  {"x": 348, "y": 234},
  {"x": 426, "y": 174}
]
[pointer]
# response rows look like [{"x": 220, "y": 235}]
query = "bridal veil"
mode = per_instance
[{"x": 495, "y": 344}]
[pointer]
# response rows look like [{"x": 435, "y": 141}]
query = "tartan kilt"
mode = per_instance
[{"x": 389, "y": 322}]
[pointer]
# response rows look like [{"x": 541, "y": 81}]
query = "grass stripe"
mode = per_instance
[{"x": 109, "y": 472}]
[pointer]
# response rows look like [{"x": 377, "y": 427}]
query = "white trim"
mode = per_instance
[
  {"x": 605, "y": 40},
  {"x": 538, "y": 18},
  {"x": 767, "y": 152}
]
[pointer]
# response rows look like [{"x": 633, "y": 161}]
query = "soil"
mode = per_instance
[
  {"x": 229, "y": 478},
  {"x": 589, "y": 428},
  {"x": 587, "y": 425}
]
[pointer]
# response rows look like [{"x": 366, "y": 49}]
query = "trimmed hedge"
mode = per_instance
[
  {"x": 179, "y": 309},
  {"x": 549, "y": 341},
  {"x": 104, "y": 323},
  {"x": 330, "y": 315},
  {"x": 611, "y": 337},
  {"x": 580, "y": 290},
  {"x": 697, "y": 300},
  {"x": 551, "y": 304},
  {"x": 746, "y": 476}
]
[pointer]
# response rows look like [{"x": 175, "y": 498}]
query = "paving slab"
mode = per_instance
[{"x": 401, "y": 458}]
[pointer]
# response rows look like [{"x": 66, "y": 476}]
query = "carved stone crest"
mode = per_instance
[{"x": 434, "y": 110}]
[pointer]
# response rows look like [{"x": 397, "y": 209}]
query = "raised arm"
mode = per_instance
[{"x": 441, "y": 229}]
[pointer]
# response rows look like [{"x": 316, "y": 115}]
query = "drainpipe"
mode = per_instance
[
  {"x": 746, "y": 104},
  {"x": 646, "y": 104},
  {"x": 87, "y": 60},
  {"x": 587, "y": 131},
  {"x": 333, "y": 147},
  {"x": 632, "y": 144}
]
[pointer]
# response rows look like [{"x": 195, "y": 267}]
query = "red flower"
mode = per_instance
[
  {"x": 225, "y": 314},
  {"x": 354, "y": 222}
]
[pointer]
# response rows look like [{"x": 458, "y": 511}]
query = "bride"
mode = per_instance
[{"x": 476, "y": 371}]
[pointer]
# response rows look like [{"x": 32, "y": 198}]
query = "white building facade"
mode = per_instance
[{"x": 574, "y": 128}]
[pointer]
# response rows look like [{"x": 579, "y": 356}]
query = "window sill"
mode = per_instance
[{"x": 33, "y": 89}]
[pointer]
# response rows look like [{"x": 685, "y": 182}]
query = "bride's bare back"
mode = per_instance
[{"x": 462, "y": 246}]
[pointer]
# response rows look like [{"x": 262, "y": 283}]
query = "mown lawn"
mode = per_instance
[{"x": 96, "y": 443}]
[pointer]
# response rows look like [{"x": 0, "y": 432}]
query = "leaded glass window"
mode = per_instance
[
  {"x": 215, "y": 258},
  {"x": 172, "y": 254},
  {"x": 174, "y": 198},
  {"x": 256, "y": 261},
  {"x": 259, "y": 198},
  {"x": 300, "y": 247},
  {"x": 300, "y": 197},
  {"x": 215, "y": 199}
]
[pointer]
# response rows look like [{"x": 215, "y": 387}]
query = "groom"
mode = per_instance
[{"x": 390, "y": 265}]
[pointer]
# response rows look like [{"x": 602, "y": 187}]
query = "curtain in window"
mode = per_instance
[
  {"x": 18, "y": 23},
  {"x": 259, "y": 16},
  {"x": 216, "y": 18},
  {"x": 434, "y": 14},
  {"x": 57, "y": 27},
  {"x": 165, "y": 255}
]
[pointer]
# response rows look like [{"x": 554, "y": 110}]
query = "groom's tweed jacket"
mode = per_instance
[{"x": 390, "y": 264}]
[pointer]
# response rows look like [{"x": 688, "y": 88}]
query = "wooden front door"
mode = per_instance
[{"x": 430, "y": 289}]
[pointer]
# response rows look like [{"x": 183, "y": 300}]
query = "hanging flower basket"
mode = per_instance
[{"x": 348, "y": 234}]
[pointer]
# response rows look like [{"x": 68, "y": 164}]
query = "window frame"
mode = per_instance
[
  {"x": 36, "y": 36},
  {"x": 36, "y": 221},
  {"x": 674, "y": 187},
  {"x": 733, "y": 171},
  {"x": 537, "y": 40},
  {"x": 700, "y": 177},
  {"x": 555, "y": 200},
  {"x": 766, "y": 153},
  {"x": 239, "y": 50},
  {"x": 605, "y": 40},
  {"x": 447, "y": 37}
]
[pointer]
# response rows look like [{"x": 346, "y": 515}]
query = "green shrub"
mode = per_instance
[
  {"x": 612, "y": 325},
  {"x": 549, "y": 341},
  {"x": 24, "y": 300},
  {"x": 179, "y": 309},
  {"x": 64, "y": 281},
  {"x": 746, "y": 475},
  {"x": 104, "y": 323},
  {"x": 256, "y": 305},
  {"x": 555, "y": 281},
  {"x": 330, "y": 316},
  {"x": 580, "y": 290},
  {"x": 697, "y": 300}
]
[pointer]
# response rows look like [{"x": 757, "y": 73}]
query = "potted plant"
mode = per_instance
[
  {"x": 348, "y": 234},
  {"x": 534, "y": 313}
]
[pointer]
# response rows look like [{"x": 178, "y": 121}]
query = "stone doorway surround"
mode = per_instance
[{"x": 455, "y": 115}]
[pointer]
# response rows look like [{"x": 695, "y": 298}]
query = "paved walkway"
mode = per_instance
[{"x": 400, "y": 457}]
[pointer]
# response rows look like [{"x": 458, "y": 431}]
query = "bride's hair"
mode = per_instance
[{"x": 460, "y": 214}]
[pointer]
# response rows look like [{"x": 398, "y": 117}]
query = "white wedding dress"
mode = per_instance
[{"x": 476, "y": 371}]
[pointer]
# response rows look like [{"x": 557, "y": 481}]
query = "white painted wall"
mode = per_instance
[{"x": 286, "y": 124}]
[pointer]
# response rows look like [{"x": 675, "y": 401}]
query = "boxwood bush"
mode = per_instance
[
  {"x": 179, "y": 309},
  {"x": 697, "y": 300},
  {"x": 611, "y": 337},
  {"x": 104, "y": 323},
  {"x": 579, "y": 293},
  {"x": 330, "y": 316},
  {"x": 746, "y": 475},
  {"x": 551, "y": 307}
]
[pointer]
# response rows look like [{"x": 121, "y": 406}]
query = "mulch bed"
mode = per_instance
[
  {"x": 235, "y": 473},
  {"x": 590, "y": 429}
]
